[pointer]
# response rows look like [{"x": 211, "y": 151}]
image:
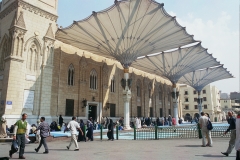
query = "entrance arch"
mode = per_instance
[{"x": 187, "y": 117}]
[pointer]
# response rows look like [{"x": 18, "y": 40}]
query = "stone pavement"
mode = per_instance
[{"x": 168, "y": 149}]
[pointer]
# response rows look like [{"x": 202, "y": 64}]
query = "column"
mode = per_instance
[
  {"x": 175, "y": 103},
  {"x": 126, "y": 99}
]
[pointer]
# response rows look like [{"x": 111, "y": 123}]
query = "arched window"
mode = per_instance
[
  {"x": 33, "y": 55},
  {"x": 112, "y": 84},
  {"x": 70, "y": 75},
  {"x": 149, "y": 89},
  {"x": 138, "y": 88},
  {"x": 93, "y": 79},
  {"x": 2, "y": 56}
]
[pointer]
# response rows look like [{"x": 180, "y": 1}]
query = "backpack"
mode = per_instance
[{"x": 209, "y": 125}]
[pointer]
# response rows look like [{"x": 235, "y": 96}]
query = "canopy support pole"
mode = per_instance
[
  {"x": 126, "y": 99},
  {"x": 175, "y": 103}
]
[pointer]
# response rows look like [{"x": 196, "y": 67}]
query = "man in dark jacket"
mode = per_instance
[
  {"x": 44, "y": 132},
  {"x": 232, "y": 128}
]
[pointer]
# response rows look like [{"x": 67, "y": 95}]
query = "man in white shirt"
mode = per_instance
[
  {"x": 73, "y": 126},
  {"x": 203, "y": 121}
]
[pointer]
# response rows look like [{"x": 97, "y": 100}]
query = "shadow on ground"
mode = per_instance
[
  {"x": 189, "y": 146},
  {"x": 212, "y": 156}
]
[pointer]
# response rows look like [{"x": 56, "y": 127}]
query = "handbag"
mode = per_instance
[{"x": 14, "y": 146}]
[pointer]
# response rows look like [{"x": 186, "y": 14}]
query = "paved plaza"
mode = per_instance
[{"x": 169, "y": 149}]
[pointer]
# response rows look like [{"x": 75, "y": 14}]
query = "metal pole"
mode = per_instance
[
  {"x": 117, "y": 132},
  {"x": 156, "y": 132},
  {"x": 175, "y": 104},
  {"x": 101, "y": 132},
  {"x": 134, "y": 133},
  {"x": 126, "y": 99}
]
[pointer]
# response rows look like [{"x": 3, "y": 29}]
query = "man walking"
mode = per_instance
[
  {"x": 232, "y": 128},
  {"x": 20, "y": 133},
  {"x": 203, "y": 121},
  {"x": 44, "y": 130},
  {"x": 73, "y": 126}
]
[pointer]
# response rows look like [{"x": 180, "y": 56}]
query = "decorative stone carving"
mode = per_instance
[
  {"x": 105, "y": 75},
  {"x": 83, "y": 66},
  {"x": 49, "y": 40},
  {"x": 29, "y": 7}
]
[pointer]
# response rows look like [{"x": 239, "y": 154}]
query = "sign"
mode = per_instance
[
  {"x": 30, "y": 78},
  {"x": 9, "y": 105},
  {"x": 28, "y": 99}
]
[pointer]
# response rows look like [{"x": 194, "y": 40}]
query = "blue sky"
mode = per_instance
[{"x": 214, "y": 22}]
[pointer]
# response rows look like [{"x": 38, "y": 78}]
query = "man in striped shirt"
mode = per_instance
[{"x": 44, "y": 130}]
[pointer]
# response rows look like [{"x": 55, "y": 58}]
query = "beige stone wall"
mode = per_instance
[
  {"x": 24, "y": 30},
  {"x": 65, "y": 55}
]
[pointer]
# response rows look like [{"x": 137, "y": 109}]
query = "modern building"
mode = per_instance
[
  {"x": 42, "y": 76},
  {"x": 210, "y": 102}
]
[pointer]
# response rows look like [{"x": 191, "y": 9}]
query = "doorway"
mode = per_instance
[
  {"x": 69, "y": 110},
  {"x": 139, "y": 111},
  {"x": 92, "y": 112}
]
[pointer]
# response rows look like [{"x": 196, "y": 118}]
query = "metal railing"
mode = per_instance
[{"x": 193, "y": 131}]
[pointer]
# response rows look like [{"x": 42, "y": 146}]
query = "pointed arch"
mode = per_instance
[
  {"x": 33, "y": 56},
  {"x": 36, "y": 41},
  {"x": 93, "y": 79},
  {"x": 3, "y": 50},
  {"x": 71, "y": 75}
]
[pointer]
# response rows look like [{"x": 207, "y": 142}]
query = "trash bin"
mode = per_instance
[{"x": 215, "y": 119}]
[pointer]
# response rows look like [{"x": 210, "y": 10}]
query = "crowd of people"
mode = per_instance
[{"x": 21, "y": 130}]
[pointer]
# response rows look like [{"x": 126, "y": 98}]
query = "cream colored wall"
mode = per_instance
[
  {"x": 33, "y": 27},
  {"x": 212, "y": 100}
]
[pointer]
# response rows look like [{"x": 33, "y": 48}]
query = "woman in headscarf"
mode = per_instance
[
  {"x": 110, "y": 130},
  {"x": 89, "y": 130},
  {"x": 80, "y": 136}
]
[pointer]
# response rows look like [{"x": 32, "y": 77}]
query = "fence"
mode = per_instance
[{"x": 174, "y": 132}]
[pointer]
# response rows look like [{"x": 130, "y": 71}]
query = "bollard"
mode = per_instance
[
  {"x": 117, "y": 132},
  {"x": 199, "y": 131},
  {"x": 156, "y": 132},
  {"x": 134, "y": 133},
  {"x": 101, "y": 132}
]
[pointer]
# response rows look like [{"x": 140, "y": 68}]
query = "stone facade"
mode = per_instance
[{"x": 45, "y": 77}]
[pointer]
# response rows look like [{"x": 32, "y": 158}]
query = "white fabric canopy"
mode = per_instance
[
  {"x": 200, "y": 78},
  {"x": 126, "y": 30},
  {"x": 173, "y": 65}
]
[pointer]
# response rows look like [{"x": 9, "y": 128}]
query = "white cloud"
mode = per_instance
[{"x": 217, "y": 36}]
